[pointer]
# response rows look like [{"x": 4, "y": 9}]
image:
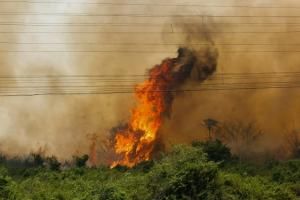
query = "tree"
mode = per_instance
[
  {"x": 210, "y": 124},
  {"x": 239, "y": 136},
  {"x": 293, "y": 143}
]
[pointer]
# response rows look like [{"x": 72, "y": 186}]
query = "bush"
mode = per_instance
[
  {"x": 145, "y": 166},
  {"x": 295, "y": 188},
  {"x": 38, "y": 160},
  {"x": 215, "y": 150},
  {"x": 237, "y": 187},
  {"x": 81, "y": 161},
  {"x": 111, "y": 193},
  {"x": 7, "y": 191},
  {"x": 53, "y": 163},
  {"x": 288, "y": 171},
  {"x": 184, "y": 174}
]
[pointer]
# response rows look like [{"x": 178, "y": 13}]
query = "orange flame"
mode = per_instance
[{"x": 136, "y": 142}]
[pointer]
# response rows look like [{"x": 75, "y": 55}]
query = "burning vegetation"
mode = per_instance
[{"x": 138, "y": 140}]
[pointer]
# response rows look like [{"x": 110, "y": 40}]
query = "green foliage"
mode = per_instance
[
  {"x": 7, "y": 188},
  {"x": 288, "y": 171},
  {"x": 121, "y": 168},
  {"x": 145, "y": 166},
  {"x": 235, "y": 187},
  {"x": 185, "y": 173},
  {"x": 215, "y": 150},
  {"x": 112, "y": 193}
]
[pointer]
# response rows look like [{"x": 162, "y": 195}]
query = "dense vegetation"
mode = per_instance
[{"x": 198, "y": 171}]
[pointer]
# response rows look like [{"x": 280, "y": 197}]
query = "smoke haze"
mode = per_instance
[{"x": 62, "y": 124}]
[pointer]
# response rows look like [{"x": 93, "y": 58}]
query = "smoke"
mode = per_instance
[
  {"x": 139, "y": 140},
  {"x": 62, "y": 124},
  {"x": 273, "y": 110},
  {"x": 190, "y": 64}
]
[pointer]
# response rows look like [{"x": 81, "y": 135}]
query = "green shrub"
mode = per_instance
[
  {"x": 295, "y": 188},
  {"x": 7, "y": 191},
  {"x": 53, "y": 163},
  {"x": 183, "y": 174},
  {"x": 215, "y": 150},
  {"x": 288, "y": 171},
  {"x": 235, "y": 187},
  {"x": 81, "y": 161},
  {"x": 111, "y": 193}
]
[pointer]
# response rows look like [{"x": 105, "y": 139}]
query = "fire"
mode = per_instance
[{"x": 136, "y": 142}]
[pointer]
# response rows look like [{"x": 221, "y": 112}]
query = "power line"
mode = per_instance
[
  {"x": 114, "y": 82},
  {"x": 120, "y": 76},
  {"x": 148, "y": 15},
  {"x": 33, "y": 90},
  {"x": 97, "y": 14},
  {"x": 155, "y": 4},
  {"x": 145, "y": 24},
  {"x": 6, "y": 83},
  {"x": 151, "y": 44},
  {"x": 142, "y": 76},
  {"x": 84, "y": 51},
  {"x": 160, "y": 91},
  {"x": 148, "y": 32},
  {"x": 131, "y": 86},
  {"x": 81, "y": 24},
  {"x": 142, "y": 51}
]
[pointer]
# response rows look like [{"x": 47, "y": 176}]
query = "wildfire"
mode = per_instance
[{"x": 137, "y": 141}]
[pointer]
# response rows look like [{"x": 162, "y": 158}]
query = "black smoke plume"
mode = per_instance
[{"x": 156, "y": 96}]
